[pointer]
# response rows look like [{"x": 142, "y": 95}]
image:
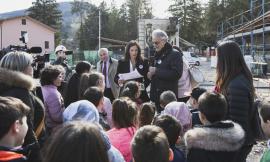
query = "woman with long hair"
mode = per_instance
[
  {"x": 234, "y": 81},
  {"x": 134, "y": 61}
]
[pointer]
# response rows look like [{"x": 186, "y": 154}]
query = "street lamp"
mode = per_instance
[{"x": 148, "y": 34}]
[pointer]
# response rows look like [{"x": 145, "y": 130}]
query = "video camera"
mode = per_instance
[{"x": 38, "y": 59}]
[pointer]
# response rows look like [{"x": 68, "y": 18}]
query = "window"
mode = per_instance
[
  {"x": 46, "y": 44},
  {"x": 23, "y": 21}
]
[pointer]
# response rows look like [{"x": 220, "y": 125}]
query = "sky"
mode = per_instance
[{"x": 159, "y": 6}]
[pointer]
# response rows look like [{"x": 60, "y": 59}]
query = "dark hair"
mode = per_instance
[
  {"x": 150, "y": 144},
  {"x": 170, "y": 126},
  {"x": 50, "y": 73},
  {"x": 78, "y": 141},
  {"x": 147, "y": 114},
  {"x": 213, "y": 106},
  {"x": 128, "y": 46},
  {"x": 89, "y": 80},
  {"x": 11, "y": 109},
  {"x": 230, "y": 63},
  {"x": 93, "y": 94},
  {"x": 264, "y": 109},
  {"x": 197, "y": 92},
  {"x": 82, "y": 66},
  {"x": 130, "y": 90},
  {"x": 167, "y": 97},
  {"x": 124, "y": 113}
]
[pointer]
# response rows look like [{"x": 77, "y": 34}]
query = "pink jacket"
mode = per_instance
[
  {"x": 121, "y": 139},
  {"x": 54, "y": 106}
]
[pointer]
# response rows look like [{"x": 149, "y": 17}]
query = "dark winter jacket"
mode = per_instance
[
  {"x": 178, "y": 155},
  {"x": 195, "y": 117},
  {"x": 142, "y": 67},
  {"x": 218, "y": 142},
  {"x": 19, "y": 85},
  {"x": 169, "y": 68},
  {"x": 239, "y": 104}
]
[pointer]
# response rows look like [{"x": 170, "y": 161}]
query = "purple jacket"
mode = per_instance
[{"x": 54, "y": 106}]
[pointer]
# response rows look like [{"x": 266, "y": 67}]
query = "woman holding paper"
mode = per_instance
[{"x": 133, "y": 63}]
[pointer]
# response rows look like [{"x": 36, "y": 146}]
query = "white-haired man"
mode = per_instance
[
  {"x": 108, "y": 67},
  {"x": 166, "y": 69}
]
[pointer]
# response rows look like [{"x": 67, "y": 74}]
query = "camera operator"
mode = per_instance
[{"x": 61, "y": 59}]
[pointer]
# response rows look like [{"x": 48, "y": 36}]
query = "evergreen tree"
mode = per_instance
[
  {"x": 190, "y": 16},
  {"x": 47, "y": 12}
]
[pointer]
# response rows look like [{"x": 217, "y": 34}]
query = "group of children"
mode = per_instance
[{"x": 206, "y": 136}]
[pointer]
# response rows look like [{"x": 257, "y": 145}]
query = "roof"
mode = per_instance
[
  {"x": 22, "y": 14},
  {"x": 13, "y": 14}
]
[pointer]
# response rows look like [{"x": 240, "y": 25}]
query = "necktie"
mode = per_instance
[{"x": 104, "y": 71}]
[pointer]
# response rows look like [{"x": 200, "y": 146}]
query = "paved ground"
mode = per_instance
[
  {"x": 262, "y": 90},
  {"x": 261, "y": 85}
]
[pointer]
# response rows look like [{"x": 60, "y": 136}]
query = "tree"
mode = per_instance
[
  {"x": 47, "y": 12},
  {"x": 190, "y": 17},
  {"x": 218, "y": 12},
  {"x": 137, "y": 9}
]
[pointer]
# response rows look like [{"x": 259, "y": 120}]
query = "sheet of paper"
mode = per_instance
[{"x": 131, "y": 75}]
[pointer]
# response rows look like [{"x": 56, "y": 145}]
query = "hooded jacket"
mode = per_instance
[
  {"x": 218, "y": 142},
  {"x": 18, "y": 85},
  {"x": 84, "y": 110}
]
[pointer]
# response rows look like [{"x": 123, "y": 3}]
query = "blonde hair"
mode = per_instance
[{"x": 16, "y": 60}]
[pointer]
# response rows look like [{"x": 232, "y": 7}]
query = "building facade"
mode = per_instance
[{"x": 39, "y": 34}]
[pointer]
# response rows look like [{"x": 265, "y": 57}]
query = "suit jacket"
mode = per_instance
[
  {"x": 111, "y": 73},
  {"x": 141, "y": 66}
]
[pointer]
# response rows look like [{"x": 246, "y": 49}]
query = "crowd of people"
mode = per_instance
[{"x": 99, "y": 116}]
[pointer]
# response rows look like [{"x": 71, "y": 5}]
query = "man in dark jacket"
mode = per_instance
[{"x": 166, "y": 69}]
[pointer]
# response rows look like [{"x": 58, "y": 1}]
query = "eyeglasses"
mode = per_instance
[{"x": 156, "y": 43}]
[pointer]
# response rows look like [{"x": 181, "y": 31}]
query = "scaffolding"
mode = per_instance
[{"x": 249, "y": 28}]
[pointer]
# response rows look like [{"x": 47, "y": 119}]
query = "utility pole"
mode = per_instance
[{"x": 99, "y": 28}]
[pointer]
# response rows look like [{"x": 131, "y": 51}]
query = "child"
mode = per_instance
[
  {"x": 146, "y": 114},
  {"x": 86, "y": 112},
  {"x": 124, "y": 116},
  {"x": 180, "y": 111},
  {"x": 132, "y": 90},
  {"x": 166, "y": 97},
  {"x": 172, "y": 129},
  {"x": 77, "y": 141},
  {"x": 151, "y": 144},
  {"x": 13, "y": 128},
  {"x": 95, "y": 95},
  {"x": 265, "y": 122},
  {"x": 194, "y": 96},
  {"x": 216, "y": 140}
]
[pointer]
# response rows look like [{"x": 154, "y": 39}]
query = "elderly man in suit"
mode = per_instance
[{"x": 108, "y": 66}]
